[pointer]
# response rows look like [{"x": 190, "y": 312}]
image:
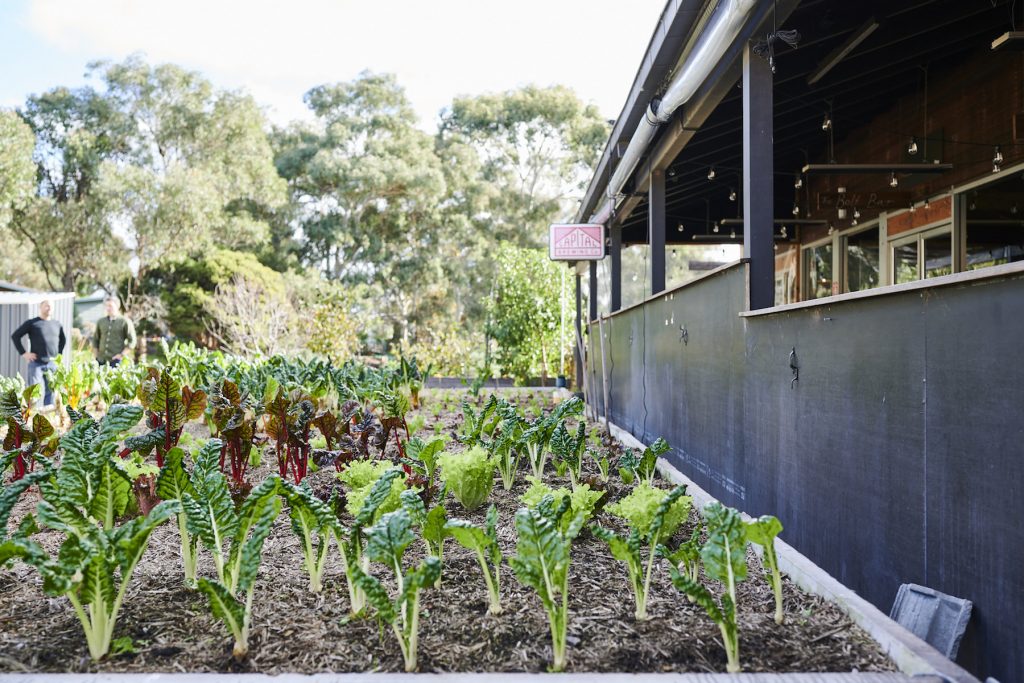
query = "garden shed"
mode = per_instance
[{"x": 16, "y": 308}]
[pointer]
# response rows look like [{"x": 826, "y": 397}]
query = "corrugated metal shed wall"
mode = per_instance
[{"x": 16, "y": 308}]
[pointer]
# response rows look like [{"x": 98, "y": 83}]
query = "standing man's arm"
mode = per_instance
[
  {"x": 96, "y": 339},
  {"x": 16, "y": 338},
  {"x": 61, "y": 340}
]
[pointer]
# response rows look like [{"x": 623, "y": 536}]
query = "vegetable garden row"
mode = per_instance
[{"x": 387, "y": 499}]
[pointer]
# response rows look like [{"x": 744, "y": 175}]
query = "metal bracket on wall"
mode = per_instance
[
  {"x": 684, "y": 336},
  {"x": 630, "y": 337},
  {"x": 795, "y": 367}
]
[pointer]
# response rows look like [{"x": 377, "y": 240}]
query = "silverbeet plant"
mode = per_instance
[
  {"x": 431, "y": 524},
  {"x": 81, "y": 502},
  {"x": 353, "y": 549},
  {"x": 568, "y": 449},
  {"x": 634, "y": 469},
  {"x": 686, "y": 557},
  {"x": 175, "y": 482},
  {"x": 315, "y": 523},
  {"x": 724, "y": 556},
  {"x": 653, "y": 516},
  {"x": 236, "y": 572},
  {"x": 386, "y": 543},
  {"x": 483, "y": 542},
  {"x": 542, "y": 561},
  {"x": 763, "y": 531}
]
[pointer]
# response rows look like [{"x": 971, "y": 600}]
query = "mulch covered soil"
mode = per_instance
[{"x": 293, "y": 630}]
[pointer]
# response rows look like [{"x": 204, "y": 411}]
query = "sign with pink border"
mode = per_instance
[{"x": 576, "y": 242}]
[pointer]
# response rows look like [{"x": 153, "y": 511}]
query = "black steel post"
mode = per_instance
[
  {"x": 758, "y": 184},
  {"x": 616, "y": 255},
  {"x": 656, "y": 230},
  {"x": 579, "y": 331},
  {"x": 592, "y": 305}
]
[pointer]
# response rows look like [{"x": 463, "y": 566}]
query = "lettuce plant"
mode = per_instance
[
  {"x": 386, "y": 543},
  {"x": 431, "y": 523},
  {"x": 247, "y": 530},
  {"x": 724, "y": 557},
  {"x": 81, "y": 501},
  {"x": 652, "y": 516},
  {"x": 360, "y": 476},
  {"x": 542, "y": 562},
  {"x": 468, "y": 475},
  {"x": 763, "y": 531},
  {"x": 584, "y": 501},
  {"x": 315, "y": 524},
  {"x": 168, "y": 407},
  {"x": 483, "y": 542}
]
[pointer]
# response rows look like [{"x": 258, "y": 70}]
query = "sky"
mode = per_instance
[{"x": 279, "y": 49}]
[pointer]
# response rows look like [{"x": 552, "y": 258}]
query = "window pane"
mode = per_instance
[
  {"x": 819, "y": 271},
  {"x": 862, "y": 260},
  {"x": 636, "y": 280},
  {"x": 994, "y": 227},
  {"x": 938, "y": 255},
  {"x": 993, "y": 245},
  {"x": 904, "y": 263},
  {"x": 686, "y": 262}
]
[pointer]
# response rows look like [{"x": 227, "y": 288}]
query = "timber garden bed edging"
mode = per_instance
[{"x": 913, "y": 656}]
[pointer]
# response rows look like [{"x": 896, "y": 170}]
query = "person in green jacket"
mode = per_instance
[{"x": 115, "y": 334}]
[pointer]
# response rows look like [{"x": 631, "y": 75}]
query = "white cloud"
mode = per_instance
[{"x": 278, "y": 49}]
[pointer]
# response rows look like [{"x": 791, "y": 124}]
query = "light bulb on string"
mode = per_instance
[
  {"x": 732, "y": 235},
  {"x": 912, "y": 207},
  {"x": 634, "y": 277},
  {"x": 674, "y": 254},
  {"x": 783, "y": 233},
  {"x": 856, "y": 213},
  {"x": 715, "y": 229},
  {"x": 796, "y": 209},
  {"x": 826, "y": 123},
  {"x": 799, "y": 182},
  {"x": 831, "y": 228},
  {"x": 927, "y": 204},
  {"x": 732, "y": 194},
  {"x": 711, "y": 173},
  {"x": 912, "y": 147},
  {"x": 680, "y": 228},
  {"x": 775, "y": 247},
  {"x": 893, "y": 180},
  {"x": 997, "y": 160}
]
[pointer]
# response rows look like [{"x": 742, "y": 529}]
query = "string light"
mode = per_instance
[
  {"x": 775, "y": 247},
  {"x": 841, "y": 214},
  {"x": 711, "y": 173},
  {"x": 831, "y": 228},
  {"x": 841, "y": 189},
  {"x": 893, "y": 181},
  {"x": 796, "y": 210},
  {"x": 732, "y": 194},
  {"x": 680, "y": 228},
  {"x": 732, "y": 235},
  {"x": 856, "y": 213},
  {"x": 799, "y": 182},
  {"x": 912, "y": 207},
  {"x": 912, "y": 147},
  {"x": 997, "y": 160},
  {"x": 927, "y": 205},
  {"x": 826, "y": 124},
  {"x": 783, "y": 233},
  {"x": 715, "y": 229}
]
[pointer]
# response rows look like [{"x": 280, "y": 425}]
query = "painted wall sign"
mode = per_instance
[
  {"x": 882, "y": 201},
  {"x": 576, "y": 242}
]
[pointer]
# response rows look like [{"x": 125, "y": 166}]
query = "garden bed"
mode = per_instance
[{"x": 171, "y": 630}]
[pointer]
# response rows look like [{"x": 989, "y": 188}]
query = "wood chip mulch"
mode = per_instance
[{"x": 293, "y": 630}]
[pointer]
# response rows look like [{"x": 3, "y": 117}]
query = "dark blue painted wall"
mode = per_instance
[{"x": 897, "y": 457}]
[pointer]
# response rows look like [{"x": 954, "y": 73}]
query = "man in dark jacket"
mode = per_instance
[
  {"x": 115, "y": 334},
  {"x": 46, "y": 342}
]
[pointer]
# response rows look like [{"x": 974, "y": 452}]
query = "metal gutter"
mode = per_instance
[{"x": 676, "y": 24}]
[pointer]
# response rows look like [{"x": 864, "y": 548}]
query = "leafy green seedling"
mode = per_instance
[
  {"x": 431, "y": 523},
  {"x": 247, "y": 532},
  {"x": 763, "y": 531},
  {"x": 542, "y": 562},
  {"x": 483, "y": 542},
  {"x": 653, "y": 516},
  {"x": 724, "y": 556},
  {"x": 387, "y": 541},
  {"x": 315, "y": 524}
]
